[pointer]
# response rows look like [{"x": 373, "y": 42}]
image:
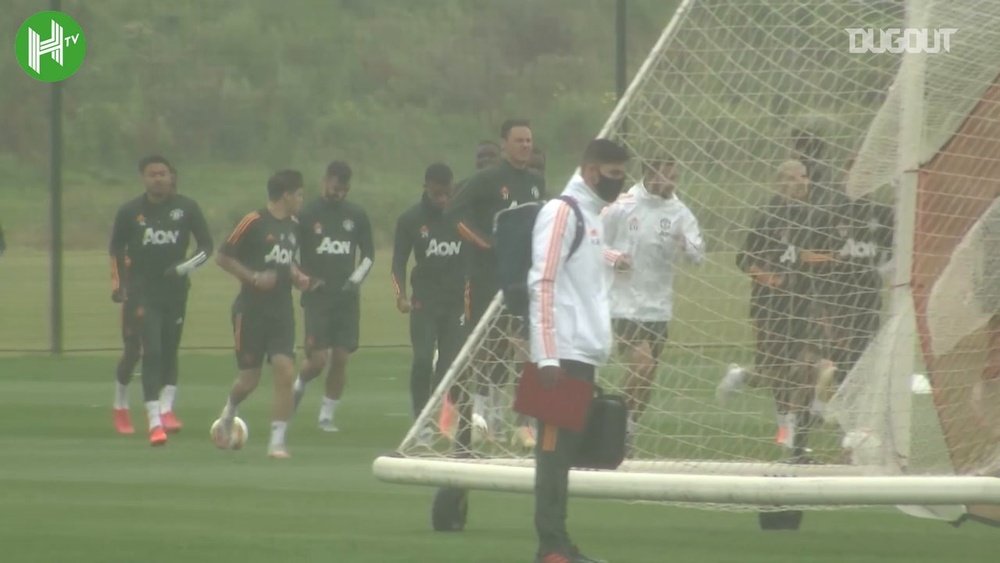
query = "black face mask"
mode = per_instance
[{"x": 609, "y": 189}]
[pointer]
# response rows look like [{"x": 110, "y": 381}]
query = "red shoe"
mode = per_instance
[
  {"x": 123, "y": 422},
  {"x": 171, "y": 423},
  {"x": 157, "y": 437},
  {"x": 447, "y": 418}
]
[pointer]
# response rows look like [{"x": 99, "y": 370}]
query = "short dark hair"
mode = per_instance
[
  {"x": 604, "y": 151},
  {"x": 656, "y": 162},
  {"x": 512, "y": 123},
  {"x": 438, "y": 173},
  {"x": 283, "y": 182},
  {"x": 154, "y": 159},
  {"x": 340, "y": 170}
]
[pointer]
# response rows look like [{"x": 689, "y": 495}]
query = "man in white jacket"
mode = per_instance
[
  {"x": 570, "y": 324},
  {"x": 654, "y": 228}
]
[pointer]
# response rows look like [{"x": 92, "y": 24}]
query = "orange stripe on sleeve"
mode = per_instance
[
  {"x": 242, "y": 227},
  {"x": 548, "y": 281},
  {"x": 470, "y": 235}
]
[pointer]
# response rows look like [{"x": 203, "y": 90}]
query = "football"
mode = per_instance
[{"x": 237, "y": 438}]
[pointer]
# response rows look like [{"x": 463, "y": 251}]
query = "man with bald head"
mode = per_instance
[{"x": 781, "y": 254}]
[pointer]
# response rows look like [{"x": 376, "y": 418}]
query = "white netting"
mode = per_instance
[{"x": 733, "y": 89}]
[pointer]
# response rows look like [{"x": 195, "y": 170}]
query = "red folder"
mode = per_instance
[{"x": 564, "y": 405}]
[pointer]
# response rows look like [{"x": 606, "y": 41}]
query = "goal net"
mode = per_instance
[{"x": 900, "y": 147}]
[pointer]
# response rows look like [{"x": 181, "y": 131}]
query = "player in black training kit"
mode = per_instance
[
  {"x": 786, "y": 246},
  {"x": 132, "y": 352},
  {"x": 474, "y": 208},
  {"x": 260, "y": 254},
  {"x": 152, "y": 232},
  {"x": 436, "y": 306},
  {"x": 335, "y": 238}
]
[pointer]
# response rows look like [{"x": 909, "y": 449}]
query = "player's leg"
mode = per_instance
[
  {"x": 451, "y": 335},
  {"x": 555, "y": 453},
  {"x": 152, "y": 369},
  {"x": 517, "y": 341},
  {"x": 424, "y": 339},
  {"x": 344, "y": 338},
  {"x": 131, "y": 353},
  {"x": 173, "y": 328},
  {"x": 281, "y": 351},
  {"x": 249, "y": 339},
  {"x": 317, "y": 322}
]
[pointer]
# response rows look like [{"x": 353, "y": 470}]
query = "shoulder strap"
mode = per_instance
[{"x": 581, "y": 227}]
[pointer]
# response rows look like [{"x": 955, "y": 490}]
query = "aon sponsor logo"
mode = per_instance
[
  {"x": 278, "y": 255},
  {"x": 156, "y": 237},
  {"x": 790, "y": 255},
  {"x": 858, "y": 249},
  {"x": 334, "y": 246},
  {"x": 443, "y": 248}
]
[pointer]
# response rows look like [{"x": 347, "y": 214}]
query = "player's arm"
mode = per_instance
[
  {"x": 228, "y": 260},
  {"x": 203, "y": 240},
  {"x": 461, "y": 211},
  {"x": 749, "y": 258},
  {"x": 690, "y": 239},
  {"x": 3, "y": 243},
  {"x": 117, "y": 250},
  {"x": 612, "y": 218},
  {"x": 401, "y": 248},
  {"x": 552, "y": 237},
  {"x": 366, "y": 246}
]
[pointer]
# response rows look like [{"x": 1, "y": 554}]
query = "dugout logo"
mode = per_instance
[
  {"x": 50, "y": 46},
  {"x": 897, "y": 40}
]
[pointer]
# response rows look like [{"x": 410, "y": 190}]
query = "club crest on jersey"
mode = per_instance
[
  {"x": 177, "y": 214},
  {"x": 348, "y": 225},
  {"x": 535, "y": 192},
  {"x": 291, "y": 238},
  {"x": 141, "y": 219},
  {"x": 842, "y": 230},
  {"x": 269, "y": 238},
  {"x": 633, "y": 224},
  {"x": 664, "y": 225},
  {"x": 424, "y": 231},
  {"x": 504, "y": 193},
  {"x": 595, "y": 237},
  {"x": 157, "y": 237},
  {"x": 278, "y": 255},
  {"x": 317, "y": 228}
]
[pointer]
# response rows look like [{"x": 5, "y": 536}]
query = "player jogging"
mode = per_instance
[
  {"x": 474, "y": 208},
  {"x": 335, "y": 238},
  {"x": 436, "y": 305},
  {"x": 651, "y": 225},
  {"x": 149, "y": 241},
  {"x": 259, "y": 253}
]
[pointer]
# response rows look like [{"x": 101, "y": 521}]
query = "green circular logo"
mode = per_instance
[{"x": 50, "y": 46}]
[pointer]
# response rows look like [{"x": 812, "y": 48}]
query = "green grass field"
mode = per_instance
[{"x": 72, "y": 490}]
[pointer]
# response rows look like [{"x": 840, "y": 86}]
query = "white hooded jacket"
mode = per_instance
[
  {"x": 569, "y": 298},
  {"x": 654, "y": 232}
]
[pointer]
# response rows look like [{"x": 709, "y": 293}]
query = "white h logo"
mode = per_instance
[{"x": 37, "y": 47}]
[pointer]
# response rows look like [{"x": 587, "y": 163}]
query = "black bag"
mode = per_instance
[
  {"x": 512, "y": 246},
  {"x": 603, "y": 444}
]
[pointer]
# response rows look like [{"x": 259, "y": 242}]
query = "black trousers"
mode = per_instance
[
  {"x": 432, "y": 327},
  {"x": 161, "y": 322},
  {"x": 555, "y": 452}
]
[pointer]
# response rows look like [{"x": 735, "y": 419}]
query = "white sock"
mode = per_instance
[
  {"x": 167, "y": 395},
  {"x": 121, "y": 395},
  {"x": 817, "y": 408},
  {"x": 278, "y": 433},
  {"x": 479, "y": 405},
  {"x": 328, "y": 409},
  {"x": 153, "y": 414},
  {"x": 630, "y": 426},
  {"x": 299, "y": 384},
  {"x": 229, "y": 411}
]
